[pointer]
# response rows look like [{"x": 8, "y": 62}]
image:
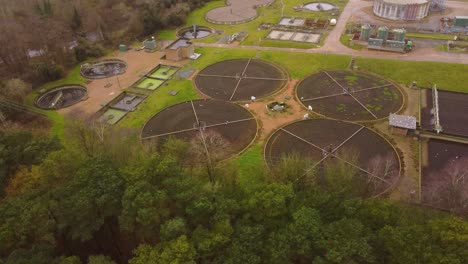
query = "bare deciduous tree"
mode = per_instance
[
  {"x": 207, "y": 148},
  {"x": 383, "y": 173},
  {"x": 449, "y": 189}
]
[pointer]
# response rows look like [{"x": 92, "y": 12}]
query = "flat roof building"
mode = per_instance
[{"x": 180, "y": 49}]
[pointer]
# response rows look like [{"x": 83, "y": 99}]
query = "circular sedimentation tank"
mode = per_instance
[
  {"x": 195, "y": 32},
  {"x": 349, "y": 95},
  {"x": 236, "y": 12},
  {"x": 325, "y": 144},
  {"x": 103, "y": 69},
  {"x": 61, "y": 97},
  {"x": 225, "y": 128},
  {"x": 319, "y": 6},
  {"x": 240, "y": 79}
]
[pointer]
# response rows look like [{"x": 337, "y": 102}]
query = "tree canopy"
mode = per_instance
[{"x": 82, "y": 201}]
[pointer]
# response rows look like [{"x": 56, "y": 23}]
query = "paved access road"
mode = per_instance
[{"x": 333, "y": 45}]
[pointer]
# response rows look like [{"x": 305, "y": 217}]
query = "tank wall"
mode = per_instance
[{"x": 400, "y": 12}]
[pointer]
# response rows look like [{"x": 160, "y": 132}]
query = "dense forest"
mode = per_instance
[
  {"x": 39, "y": 39},
  {"x": 98, "y": 196}
]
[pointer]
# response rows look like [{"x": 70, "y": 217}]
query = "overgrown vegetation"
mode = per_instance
[{"x": 103, "y": 200}]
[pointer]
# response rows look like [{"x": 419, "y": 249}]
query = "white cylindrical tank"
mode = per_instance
[
  {"x": 401, "y": 9},
  {"x": 332, "y": 22}
]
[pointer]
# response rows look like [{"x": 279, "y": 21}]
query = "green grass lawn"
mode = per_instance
[
  {"x": 268, "y": 14},
  {"x": 444, "y": 48},
  {"x": 298, "y": 65},
  {"x": 450, "y": 77},
  {"x": 248, "y": 165},
  {"x": 430, "y": 36}
]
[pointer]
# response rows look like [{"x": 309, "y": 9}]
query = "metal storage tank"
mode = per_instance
[
  {"x": 365, "y": 32},
  {"x": 461, "y": 21},
  {"x": 400, "y": 34},
  {"x": 401, "y": 9},
  {"x": 382, "y": 33}
]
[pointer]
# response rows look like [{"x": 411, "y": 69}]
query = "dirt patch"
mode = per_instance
[{"x": 270, "y": 120}]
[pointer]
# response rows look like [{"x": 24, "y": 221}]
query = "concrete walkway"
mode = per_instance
[{"x": 332, "y": 44}]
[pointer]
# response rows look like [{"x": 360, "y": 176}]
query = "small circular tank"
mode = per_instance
[{"x": 195, "y": 32}]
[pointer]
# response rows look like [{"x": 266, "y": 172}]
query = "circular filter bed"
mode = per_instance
[
  {"x": 321, "y": 6},
  {"x": 235, "y": 11},
  {"x": 224, "y": 128},
  {"x": 349, "y": 95},
  {"x": 194, "y": 32},
  {"x": 103, "y": 69},
  {"x": 240, "y": 79},
  {"x": 61, "y": 97},
  {"x": 324, "y": 142}
]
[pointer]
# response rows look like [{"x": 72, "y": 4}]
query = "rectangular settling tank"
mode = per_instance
[
  {"x": 127, "y": 102},
  {"x": 306, "y": 37},
  {"x": 295, "y": 22},
  {"x": 163, "y": 72},
  {"x": 280, "y": 34},
  {"x": 149, "y": 84},
  {"x": 112, "y": 116}
]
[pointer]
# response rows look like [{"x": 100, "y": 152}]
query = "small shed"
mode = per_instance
[
  {"x": 401, "y": 124},
  {"x": 150, "y": 44},
  {"x": 179, "y": 50}
]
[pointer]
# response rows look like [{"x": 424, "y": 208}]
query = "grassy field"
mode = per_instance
[
  {"x": 451, "y": 77},
  {"x": 268, "y": 14},
  {"x": 430, "y": 36},
  {"x": 249, "y": 165},
  {"x": 457, "y": 49}
]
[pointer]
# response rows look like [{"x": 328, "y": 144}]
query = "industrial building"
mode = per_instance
[
  {"x": 402, "y": 9},
  {"x": 180, "y": 49},
  {"x": 384, "y": 39}
]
